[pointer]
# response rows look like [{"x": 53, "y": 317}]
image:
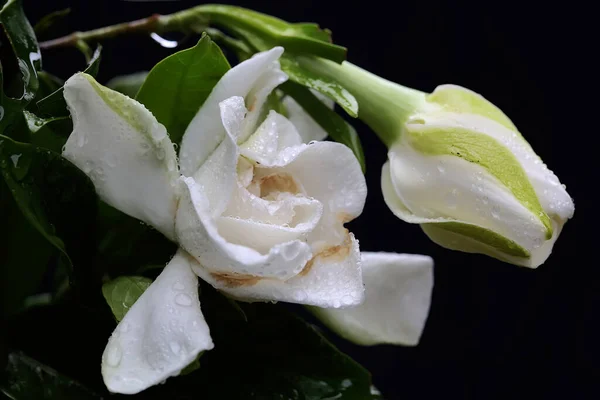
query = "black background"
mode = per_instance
[{"x": 495, "y": 330}]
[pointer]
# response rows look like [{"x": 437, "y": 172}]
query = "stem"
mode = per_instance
[
  {"x": 186, "y": 21},
  {"x": 383, "y": 105}
]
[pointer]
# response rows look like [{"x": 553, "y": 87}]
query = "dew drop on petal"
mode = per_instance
[
  {"x": 183, "y": 299},
  {"x": 113, "y": 358},
  {"x": 175, "y": 347},
  {"x": 178, "y": 286}
]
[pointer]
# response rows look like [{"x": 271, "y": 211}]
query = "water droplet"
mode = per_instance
[
  {"x": 15, "y": 159},
  {"x": 175, "y": 347},
  {"x": 87, "y": 167},
  {"x": 183, "y": 299},
  {"x": 113, "y": 358},
  {"x": 336, "y": 303},
  {"x": 441, "y": 169},
  {"x": 178, "y": 286},
  {"x": 299, "y": 295},
  {"x": 160, "y": 153},
  {"x": 451, "y": 198}
]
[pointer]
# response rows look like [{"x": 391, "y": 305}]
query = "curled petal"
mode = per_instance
[
  {"x": 198, "y": 233},
  {"x": 253, "y": 80},
  {"x": 128, "y": 155},
  {"x": 332, "y": 278},
  {"x": 161, "y": 334},
  {"x": 330, "y": 173},
  {"x": 397, "y": 298},
  {"x": 218, "y": 174},
  {"x": 272, "y": 137}
]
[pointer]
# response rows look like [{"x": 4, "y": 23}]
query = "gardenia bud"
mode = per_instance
[{"x": 459, "y": 167}]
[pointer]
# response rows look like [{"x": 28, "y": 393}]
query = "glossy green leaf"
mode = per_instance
[
  {"x": 276, "y": 356},
  {"x": 120, "y": 238},
  {"x": 328, "y": 87},
  {"x": 26, "y": 379},
  {"x": 178, "y": 85},
  {"x": 54, "y": 196},
  {"x": 337, "y": 128},
  {"x": 50, "y": 133},
  {"x": 264, "y": 31},
  {"x": 21, "y": 52},
  {"x": 122, "y": 293},
  {"x": 54, "y": 104},
  {"x": 48, "y": 84},
  {"x": 129, "y": 85},
  {"x": 49, "y": 21}
]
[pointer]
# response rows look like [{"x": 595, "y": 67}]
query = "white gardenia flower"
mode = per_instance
[
  {"x": 257, "y": 212},
  {"x": 459, "y": 167}
]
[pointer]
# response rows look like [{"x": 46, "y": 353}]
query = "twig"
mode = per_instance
[{"x": 186, "y": 21}]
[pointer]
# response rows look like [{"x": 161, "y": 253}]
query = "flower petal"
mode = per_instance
[
  {"x": 274, "y": 135},
  {"x": 128, "y": 155},
  {"x": 330, "y": 173},
  {"x": 217, "y": 175},
  {"x": 307, "y": 127},
  {"x": 160, "y": 335},
  {"x": 198, "y": 233},
  {"x": 332, "y": 278},
  {"x": 397, "y": 299},
  {"x": 252, "y": 79}
]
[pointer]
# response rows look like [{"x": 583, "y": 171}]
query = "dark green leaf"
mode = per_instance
[
  {"x": 50, "y": 133},
  {"x": 121, "y": 293},
  {"x": 54, "y": 196},
  {"x": 328, "y": 87},
  {"x": 129, "y": 85},
  {"x": 193, "y": 366},
  {"x": 120, "y": 239},
  {"x": 48, "y": 84},
  {"x": 337, "y": 128},
  {"x": 54, "y": 104},
  {"x": 49, "y": 21},
  {"x": 24, "y": 255},
  {"x": 178, "y": 85},
  {"x": 264, "y": 32},
  {"x": 25, "y": 56},
  {"x": 28, "y": 379},
  {"x": 274, "y": 355}
]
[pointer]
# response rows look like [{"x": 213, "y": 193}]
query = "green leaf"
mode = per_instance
[
  {"x": 122, "y": 293},
  {"x": 53, "y": 195},
  {"x": 178, "y": 85},
  {"x": 50, "y": 133},
  {"x": 193, "y": 366},
  {"x": 48, "y": 84},
  {"x": 54, "y": 104},
  {"x": 327, "y": 86},
  {"x": 25, "y": 378},
  {"x": 129, "y": 85},
  {"x": 264, "y": 31},
  {"x": 22, "y": 269},
  {"x": 25, "y": 58},
  {"x": 272, "y": 355},
  {"x": 120, "y": 238},
  {"x": 337, "y": 128},
  {"x": 49, "y": 21}
]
